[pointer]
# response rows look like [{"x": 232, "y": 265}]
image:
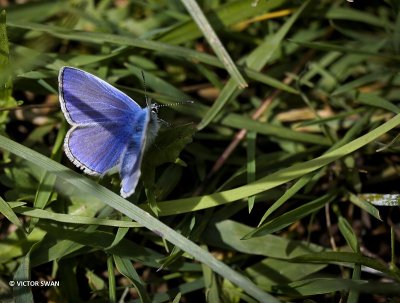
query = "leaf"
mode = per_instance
[
  {"x": 23, "y": 293},
  {"x": 185, "y": 288},
  {"x": 368, "y": 207},
  {"x": 251, "y": 164},
  {"x": 271, "y": 272},
  {"x": 211, "y": 285},
  {"x": 112, "y": 287},
  {"x": 348, "y": 234},
  {"x": 228, "y": 234},
  {"x": 165, "y": 149},
  {"x": 125, "y": 267},
  {"x": 287, "y": 195},
  {"x": 290, "y": 217},
  {"x": 95, "y": 282},
  {"x": 7, "y": 212}
]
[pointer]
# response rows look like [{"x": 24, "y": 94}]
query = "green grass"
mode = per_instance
[{"x": 278, "y": 184}]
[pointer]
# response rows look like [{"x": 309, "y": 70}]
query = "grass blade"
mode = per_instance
[
  {"x": 213, "y": 40},
  {"x": 7, "y": 212},
  {"x": 126, "y": 268},
  {"x": 303, "y": 181},
  {"x": 251, "y": 164},
  {"x": 290, "y": 217},
  {"x": 23, "y": 293},
  {"x": 348, "y": 257}
]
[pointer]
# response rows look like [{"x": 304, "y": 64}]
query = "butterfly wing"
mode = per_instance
[
  {"x": 102, "y": 120},
  {"x": 96, "y": 148},
  {"x": 132, "y": 158},
  {"x": 87, "y": 99}
]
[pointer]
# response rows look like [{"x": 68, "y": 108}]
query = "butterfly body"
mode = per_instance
[{"x": 108, "y": 130}]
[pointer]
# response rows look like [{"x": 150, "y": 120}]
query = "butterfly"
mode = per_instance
[{"x": 108, "y": 130}]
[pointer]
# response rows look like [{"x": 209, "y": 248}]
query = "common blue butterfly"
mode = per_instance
[{"x": 108, "y": 130}]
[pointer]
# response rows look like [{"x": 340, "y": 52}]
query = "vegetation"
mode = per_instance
[{"x": 279, "y": 183}]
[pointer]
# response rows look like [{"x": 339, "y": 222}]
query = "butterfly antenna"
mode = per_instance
[
  {"x": 176, "y": 103},
  {"x": 145, "y": 89}
]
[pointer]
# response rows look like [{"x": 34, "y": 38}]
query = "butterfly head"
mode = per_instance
[
  {"x": 154, "y": 124},
  {"x": 154, "y": 108}
]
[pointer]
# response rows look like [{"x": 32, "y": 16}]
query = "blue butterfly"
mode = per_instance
[{"x": 109, "y": 129}]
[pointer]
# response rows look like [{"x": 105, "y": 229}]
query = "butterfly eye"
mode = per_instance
[{"x": 154, "y": 108}]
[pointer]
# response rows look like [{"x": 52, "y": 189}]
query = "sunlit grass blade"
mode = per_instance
[{"x": 213, "y": 40}]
